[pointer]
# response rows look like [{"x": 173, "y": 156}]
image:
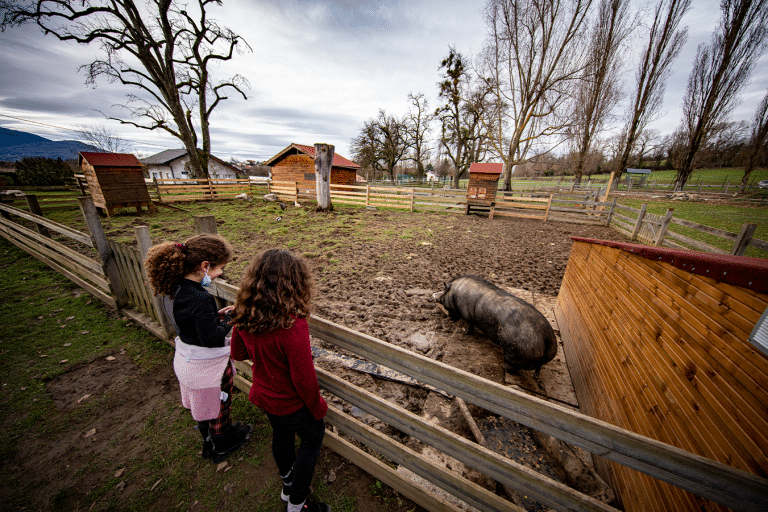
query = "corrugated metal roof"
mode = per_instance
[
  {"x": 486, "y": 168},
  {"x": 109, "y": 159},
  {"x": 164, "y": 157},
  {"x": 739, "y": 270},
  {"x": 338, "y": 160}
]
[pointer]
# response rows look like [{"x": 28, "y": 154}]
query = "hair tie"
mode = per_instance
[{"x": 182, "y": 247}]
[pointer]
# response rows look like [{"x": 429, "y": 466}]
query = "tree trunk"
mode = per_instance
[{"x": 323, "y": 163}]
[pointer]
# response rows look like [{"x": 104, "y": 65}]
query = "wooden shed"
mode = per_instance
[
  {"x": 115, "y": 180},
  {"x": 296, "y": 164},
  {"x": 483, "y": 183},
  {"x": 657, "y": 342}
]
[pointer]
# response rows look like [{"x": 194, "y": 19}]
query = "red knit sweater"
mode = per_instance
[{"x": 284, "y": 378}]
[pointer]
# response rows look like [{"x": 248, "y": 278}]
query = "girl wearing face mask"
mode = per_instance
[{"x": 179, "y": 273}]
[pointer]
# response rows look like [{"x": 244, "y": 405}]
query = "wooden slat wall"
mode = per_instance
[
  {"x": 664, "y": 353},
  {"x": 293, "y": 168}
]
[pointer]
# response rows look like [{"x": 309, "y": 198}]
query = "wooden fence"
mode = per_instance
[
  {"x": 662, "y": 351},
  {"x": 657, "y": 230},
  {"x": 712, "y": 480}
]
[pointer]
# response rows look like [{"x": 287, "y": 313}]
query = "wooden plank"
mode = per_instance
[
  {"x": 145, "y": 322},
  {"x": 723, "y": 484},
  {"x": 705, "y": 229},
  {"x": 89, "y": 263},
  {"x": 702, "y": 246},
  {"x": 387, "y": 475},
  {"x": 124, "y": 273},
  {"x": 506, "y": 471},
  {"x": 55, "y": 226},
  {"x": 93, "y": 290},
  {"x": 54, "y": 255},
  {"x": 505, "y": 213}
]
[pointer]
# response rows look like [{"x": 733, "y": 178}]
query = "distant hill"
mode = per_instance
[{"x": 15, "y": 145}]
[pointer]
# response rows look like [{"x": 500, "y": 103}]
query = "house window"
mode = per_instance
[{"x": 168, "y": 175}]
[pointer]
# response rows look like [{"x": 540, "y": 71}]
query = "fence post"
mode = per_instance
[
  {"x": 157, "y": 188},
  {"x": 610, "y": 214},
  {"x": 296, "y": 187},
  {"x": 639, "y": 222},
  {"x": 549, "y": 204},
  {"x": 664, "y": 226},
  {"x": 413, "y": 195},
  {"x": 727, "y": 185},
  {"x": 742, "y": 241},
  {"x": 34, "y": 207},
  {"x": 144, "y": 243},
  {"x": 701, "y": 184},
  {"x": 367, "y": 194},
  {"x": 80, "y": 185},
  {"x": 205, "y": 224},
  {"x": 653, "y": 185},
  {"x": 106, "y": 256}
]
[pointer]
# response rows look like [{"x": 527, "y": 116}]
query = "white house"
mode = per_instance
[
  {"x": 171, "y": 164},
  {"x": 432, "y": 176}
]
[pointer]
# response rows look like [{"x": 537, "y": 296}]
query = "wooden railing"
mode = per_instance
[{"x": 656, "y": 230}]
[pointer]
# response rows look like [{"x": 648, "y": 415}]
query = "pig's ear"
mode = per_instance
[{"x": 447, "y": 286}]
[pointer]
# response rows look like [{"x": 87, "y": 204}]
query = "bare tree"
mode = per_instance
[
  {"x": 532, "y": 59},
  {"x": 163, "y": 49},
  {"x": 461, "y": 116},
  {"x": 381, "y": 144},
  {"x": 417, "y": 125},
  {"x": 599, "y": 90},
  {"x": 664, "y": 44},
  {"x": 103, "y": 139},
  {"x": 757, "y": 141},
  {"x": 720, "y": 70}
]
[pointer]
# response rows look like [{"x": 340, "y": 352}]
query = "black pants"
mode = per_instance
[{"x": 311, "y": 433}]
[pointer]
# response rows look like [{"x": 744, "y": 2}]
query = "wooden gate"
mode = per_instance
[{"x": 649, "y": 229}]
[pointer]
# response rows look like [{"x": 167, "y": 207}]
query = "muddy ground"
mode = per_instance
[{"x": 381, "y": 286}]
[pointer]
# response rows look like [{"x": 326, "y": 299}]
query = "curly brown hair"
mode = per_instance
[
  {"x": 168, "y": 263},
  {"x": 275, "y": 289}
]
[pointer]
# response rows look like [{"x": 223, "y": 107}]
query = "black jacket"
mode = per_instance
[{"x": 196, "y": 316}]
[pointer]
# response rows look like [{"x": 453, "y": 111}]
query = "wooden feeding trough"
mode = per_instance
[
  {"x": 483, "y": 183},
  {"x": 115, "y": 180},
  {"x": 661, "y": 342}
]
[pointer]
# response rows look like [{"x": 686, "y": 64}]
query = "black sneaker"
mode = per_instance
[
  {"x": 312, "y": 506},
  {"x": 225, "y": 444}
]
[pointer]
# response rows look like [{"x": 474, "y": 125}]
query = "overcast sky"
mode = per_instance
[{"x": 318, "y": 70}]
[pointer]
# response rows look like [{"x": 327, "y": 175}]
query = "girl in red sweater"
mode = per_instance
[{"x": 270, "y": 329}]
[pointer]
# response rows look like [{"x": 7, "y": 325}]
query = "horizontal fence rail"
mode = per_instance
[
  {"x": 718, "y": 482},
  {"x": 638, "y": 224}
]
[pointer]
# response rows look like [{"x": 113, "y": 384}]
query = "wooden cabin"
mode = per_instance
[
  {"x": 296, "y": 164},
  {"x": 483, "y": 183},
  {"x": 658, "y": 342},
  {"x": 115, "y": 180}
]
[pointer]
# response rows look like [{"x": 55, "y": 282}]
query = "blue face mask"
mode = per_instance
[{"x": 206, "y": 278}]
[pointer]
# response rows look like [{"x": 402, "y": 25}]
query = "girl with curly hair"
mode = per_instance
[
  {"x": 270, "y": 329},
  {"x": 180, "y": 273}
]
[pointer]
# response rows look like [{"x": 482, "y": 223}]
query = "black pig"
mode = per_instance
[{"x": 525, "y": 336}]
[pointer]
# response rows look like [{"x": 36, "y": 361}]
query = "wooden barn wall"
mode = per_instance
[
  {"x": 664, "y": 353},
  {"x": 296, "y": 168},
  {"x": 120, "y": 185},
  {"x": 478, "y": 181}
]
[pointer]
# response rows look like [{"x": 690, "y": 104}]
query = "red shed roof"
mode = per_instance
[
  {"x": 109, "y": 159},
  {"x": 486, "y": 168},
  {"x": 739, "y": 270},
  {"x": 338, "y": 160}
]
